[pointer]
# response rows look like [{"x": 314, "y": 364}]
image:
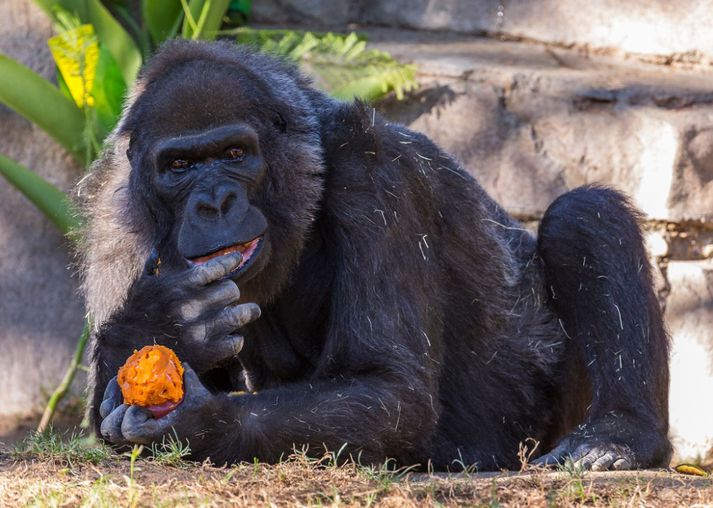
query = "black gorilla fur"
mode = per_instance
[{"x": 404, "y": 313}]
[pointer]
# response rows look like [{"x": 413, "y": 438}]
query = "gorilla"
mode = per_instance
[{"x": 333, "y": 280}]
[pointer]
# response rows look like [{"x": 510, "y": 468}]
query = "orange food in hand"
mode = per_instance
[{"x": 152, "y": 377}]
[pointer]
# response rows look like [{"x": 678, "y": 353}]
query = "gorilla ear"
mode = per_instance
[
  {"x": 130, "y": 150},
  {"x": 279, "y": 121}
]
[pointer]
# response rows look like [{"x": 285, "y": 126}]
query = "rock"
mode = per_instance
[
  {"x": 692, "y": 188},
  {"x": 689, "y": 316},
  {"x": 637, "y": 26},
  {"x": 41, "y": 314},
  {"x": 311, "y": 12},
  {"x": 531, "y": 122},
  {"x": 656, "y": 244},
  {"x": 474, "y": 17}
]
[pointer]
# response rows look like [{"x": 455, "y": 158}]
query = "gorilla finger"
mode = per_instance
[
  {"x": 588, "y": 459},
  {"x": 111, "y": 426},
  {"x": 622, "y": 464},
  {"x": 553, "y": 458},
  {"x": 137, "y": 426},
  {"x": 580, "y": 453},
  {"x": 604, "y": 462},
  {"x": 112, "y": 398},
  {"x": 550, "y": 459},
  {"x": 193, "y": 385},
  {"x": 225, "y": 348},
  {"x": 221, "y": 295},
  {"x": 215, "y": 269},
  {"x": 233, "y": 318}
]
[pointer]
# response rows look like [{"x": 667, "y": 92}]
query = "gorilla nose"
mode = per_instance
[{"x": 218, "y": 205}]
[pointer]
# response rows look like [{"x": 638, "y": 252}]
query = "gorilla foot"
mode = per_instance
[{"x": 590, "y": 456}]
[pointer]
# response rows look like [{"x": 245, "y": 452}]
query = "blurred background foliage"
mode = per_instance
[{"x": 98, "y": 50}]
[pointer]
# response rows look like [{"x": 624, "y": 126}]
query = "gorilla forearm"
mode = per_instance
[{"x": 372, "y": 417}]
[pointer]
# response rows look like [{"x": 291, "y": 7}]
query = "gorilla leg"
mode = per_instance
[{"x": 599, "y": 277}]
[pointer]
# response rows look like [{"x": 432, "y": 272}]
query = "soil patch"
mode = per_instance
[{"x": 300, "y": 482}]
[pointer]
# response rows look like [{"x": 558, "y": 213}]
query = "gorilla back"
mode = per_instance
[{"x": 356, "y": 284}]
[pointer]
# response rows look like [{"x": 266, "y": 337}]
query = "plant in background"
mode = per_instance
[
  {"x": 98, "y": 50},
  {"x": 339, "y": 64}
]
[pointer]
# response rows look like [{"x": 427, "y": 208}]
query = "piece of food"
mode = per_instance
[
  {"x": 152, "y": 378},
  {"x": 691, "y": 469}
]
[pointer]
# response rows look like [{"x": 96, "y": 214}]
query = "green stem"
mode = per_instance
[
  {"x": 189, "y": 17},
  {"x": 66, "y": 383}
]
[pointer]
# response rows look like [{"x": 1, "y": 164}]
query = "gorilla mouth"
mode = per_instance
[{"x": 246, "y": 249}]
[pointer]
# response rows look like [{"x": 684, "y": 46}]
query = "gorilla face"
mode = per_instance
[
  {"x": 237, "y": 170},
  {"x": 206, "y": 179}
]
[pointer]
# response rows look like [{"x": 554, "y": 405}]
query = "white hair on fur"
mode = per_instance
[{"x": 112, "y": 251}]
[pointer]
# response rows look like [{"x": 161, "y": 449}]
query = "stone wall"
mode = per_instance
[
  {"x": 41, "y": 314},
  {"x": 670, "y": 28}
]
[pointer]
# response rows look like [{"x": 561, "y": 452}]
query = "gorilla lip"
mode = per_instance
[{"x": 247, "y": 250}]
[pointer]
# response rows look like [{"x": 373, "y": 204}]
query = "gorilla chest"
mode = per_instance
[{"x": 285, "y": 344}]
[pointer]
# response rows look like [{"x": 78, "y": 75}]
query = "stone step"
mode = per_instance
[
  {"x": 532, "y": 121},
  {"x": 670, "y": 28},
  {"x": 689, "y": 316}
]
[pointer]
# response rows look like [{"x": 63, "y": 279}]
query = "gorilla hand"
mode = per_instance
[
  {"x": 197, "y": 307},
  {"x": 123, "y": 424}
]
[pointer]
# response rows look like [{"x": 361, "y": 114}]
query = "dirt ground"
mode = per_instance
[{"x": 110, "y": 481}]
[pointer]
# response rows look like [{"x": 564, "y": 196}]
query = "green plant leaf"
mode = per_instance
[
  {"x": 110, "y": 32},
  {"x": 162, "y": 18},
  {"x": 46, "y": 197},
  {"x": 123, "y": 12},
  {"x": 238, "y": 12},
  {"x": 339, "y": 64},
  {"x": 36, "y": 99},
  {"x": 76, "y": 53},
  {"x": 108, "y": 92},
  {"x": 244, "y": 7},
  {"x": 93, "y": 79},
  {"x": 203, "y": 18}
]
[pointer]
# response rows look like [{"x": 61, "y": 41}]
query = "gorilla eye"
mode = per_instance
[
  {"x": 179, "y": 165},
  {"x": 235, "y": 153}
]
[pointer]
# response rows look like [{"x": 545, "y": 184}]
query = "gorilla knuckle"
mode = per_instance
[{"x": 190, "y": 310}]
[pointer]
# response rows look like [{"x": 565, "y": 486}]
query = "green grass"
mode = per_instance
[
  {"x": 170, "y": 452},
  {"x": 575, "y": 489},
  {"x": 67, "y": 449}
]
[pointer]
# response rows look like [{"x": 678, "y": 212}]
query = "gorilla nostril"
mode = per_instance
[
  {"x": 207, "y": 211},
  {"x": 227, "y": 204}
]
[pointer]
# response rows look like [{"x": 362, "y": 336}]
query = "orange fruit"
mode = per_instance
[{"x": 152, "y": 378}]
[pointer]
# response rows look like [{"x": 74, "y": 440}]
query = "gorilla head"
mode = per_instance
[{"x": 236, "y": 170}]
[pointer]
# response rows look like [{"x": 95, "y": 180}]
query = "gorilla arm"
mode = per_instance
[
  {"x": 375, "y": 387},
  {"x": 373, "y": 391},
  {"x": 193, "y": 312}
]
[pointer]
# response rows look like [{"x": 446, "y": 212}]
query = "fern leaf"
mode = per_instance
[{"x": 341, "y": 65}]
